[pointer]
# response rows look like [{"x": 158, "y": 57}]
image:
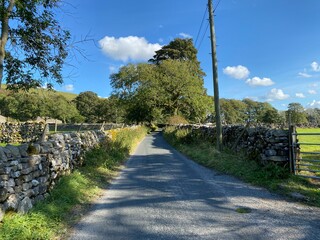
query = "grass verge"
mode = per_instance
[
  {"x": 52, "y": 218},
  {"x": 273, "y": 177}
]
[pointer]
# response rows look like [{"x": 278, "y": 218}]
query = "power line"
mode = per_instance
[
  {"x": 216, "y": 6},
  {"x": 205, "y": 32},
  {"x": 204, "y": 15}
]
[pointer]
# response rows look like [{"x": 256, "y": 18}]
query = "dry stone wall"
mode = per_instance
[
  {"x": 259, "y": 143},
  {"x": 20, "y": 132},
  {"x": 29, "y": 171}
]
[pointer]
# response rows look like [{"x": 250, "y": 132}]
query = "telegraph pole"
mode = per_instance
[{"x": 215, "y": 77}]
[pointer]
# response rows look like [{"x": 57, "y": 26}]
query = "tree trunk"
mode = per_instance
[{"x": 4, "y": 34}]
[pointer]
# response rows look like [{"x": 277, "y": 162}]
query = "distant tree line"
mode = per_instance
[
  {"x": 88, "y": 107},
  {"x": 169, "y": 88}
]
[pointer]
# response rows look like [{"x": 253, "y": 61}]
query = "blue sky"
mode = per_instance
[{"x": 267, "y": 50}]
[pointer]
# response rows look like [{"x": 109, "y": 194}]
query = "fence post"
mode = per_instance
[
  {"x": 102, "y": 126},
  {"x": 55, "y": 126},
  {"x": 80, "y": 127},
  {"x": 44, "y": 132},
  {"x": 292, "y": 148}
]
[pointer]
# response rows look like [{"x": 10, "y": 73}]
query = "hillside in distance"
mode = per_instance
[{"x": 42, "y": 91}]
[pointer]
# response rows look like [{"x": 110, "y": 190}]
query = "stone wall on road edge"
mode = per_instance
[
  {"x": 29, "y": 171},
  {"x": 20, "y": 132},
  {"x": 259, "y": 143}
]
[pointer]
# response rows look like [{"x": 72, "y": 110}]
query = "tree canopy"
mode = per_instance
[
  {"x": 32, "y": 43},
  {"x": 171, "y": 84},
  {"x": 296, "y": 114}
]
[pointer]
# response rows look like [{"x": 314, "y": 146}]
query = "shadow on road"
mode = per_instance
[{"x": 163, "y": 195}]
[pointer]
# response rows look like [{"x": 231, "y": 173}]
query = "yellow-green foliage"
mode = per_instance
[{"x": 177, "y": 119}]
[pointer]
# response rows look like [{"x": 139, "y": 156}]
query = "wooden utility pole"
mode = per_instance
[{"x": 215, "y": 77}]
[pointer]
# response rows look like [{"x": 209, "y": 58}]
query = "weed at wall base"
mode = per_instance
[{"x": 271, "y": 176}]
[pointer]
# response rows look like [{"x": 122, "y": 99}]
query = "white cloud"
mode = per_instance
[
  {"x": 68, "y": 87},
  {"x": 312, "y": 91},
  {"x": 128, "y": 48},
  {"x": 305, "y": 75},
  {"x": 252, "y": 98},
  {"x": 313, "y": 85},
  {"x": 256, "y": 81},
  {"x": 315, "y": 66},
  {"x": 237, "y": 72},
  {"x": 314, "y": 104},
  {"x": 276, "y": 94},
  {"x": 185, "y": 35},
  {"x": 300, "y": 95}
]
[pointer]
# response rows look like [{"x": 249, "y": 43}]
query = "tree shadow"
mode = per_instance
[{"x": 161, "y": 194}]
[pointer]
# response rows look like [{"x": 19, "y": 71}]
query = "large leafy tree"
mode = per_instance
[
  {"x": 154, "y": 92},
  {"x": 296, "y": 114},
  {"x": 233, "y": 111},
  {"x": 171, "y": 85},
  {"x": 178, "y": 49},
  {"x": 88, "y": 104},
  {"x": 32, "y": 43},
  {"x": 181, "y": 49}
]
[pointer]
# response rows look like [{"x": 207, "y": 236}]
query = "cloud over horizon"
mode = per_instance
[
  {"x": 128, "y": 48},
  {"x": 185, "y": 35},
  {"x": 315, "y": 66},
  {"x": 256, "y": 81},
  {"x": 300, "y": 95},
  {"x": 68, "y": 87},
  {"x": 314, "y": 104},
  {"x": 237, "y": 72},
  {"x": 276, "y": 94}
]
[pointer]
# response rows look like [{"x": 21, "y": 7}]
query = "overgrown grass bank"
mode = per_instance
[
  {"x": 272, "y": 176},
  {"x": 52, "y": 218}
]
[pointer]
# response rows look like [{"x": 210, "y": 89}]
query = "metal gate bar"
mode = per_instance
[{"x": 296, "y": 161}]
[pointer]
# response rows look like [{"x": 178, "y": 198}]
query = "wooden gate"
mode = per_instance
[{"x": 304, "y": 156}]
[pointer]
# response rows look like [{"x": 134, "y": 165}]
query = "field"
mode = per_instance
[
  {"x": 310, "y": 158},
  {"x": 44, "y": 92}
]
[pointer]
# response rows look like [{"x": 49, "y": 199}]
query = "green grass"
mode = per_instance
[
  {"x": 67, "y": 95},
  {"x": 273, "y": 177},
  {"x": 5, "y": 144},
  {"x": 310, "y": 148},
  {"x": 52, "y": 218}
]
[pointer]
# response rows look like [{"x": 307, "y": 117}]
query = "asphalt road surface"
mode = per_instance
[{"x": 163, "y": 195}]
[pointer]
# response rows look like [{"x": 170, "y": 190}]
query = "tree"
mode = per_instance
[
  {"x": 178, "y": 49},
  {"x": 58, "y": 107},
  {"x": 32, "y": 43},
  {"x": 182, "y": 50},
  {"x": 313, "y": 117},
  {"x": 154, "y": 92},
  {"x": 271, "y": 116},
  {"x": 22, "y": 106},
  {"x": 296, "y": 114},
  {"x": 25, "y": 106},
  {"x": 233, "y": 111},
  {"x": 87, "y": 104},
  {"x": 111, "y": 110}
]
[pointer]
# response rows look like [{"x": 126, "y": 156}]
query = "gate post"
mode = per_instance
[{"x": 292, "y": 148}]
